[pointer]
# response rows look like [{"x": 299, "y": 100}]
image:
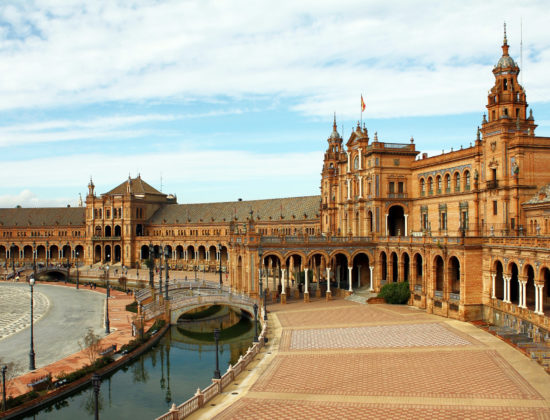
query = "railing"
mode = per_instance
[
  {"x": 397, "y": 195},
  {"x": 106, "y": 238},
  {"x": 418, "y": 288},
  {"x": 492, "y": 184},
  {"x": 454, "y": 296},
  {"x": 202, "y": 397},
  {"x": 438, "y": 293}
]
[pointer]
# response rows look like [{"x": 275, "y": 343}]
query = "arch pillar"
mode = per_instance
[
  {"x": 506, "y": 280},
  {"x": 371, "y": 268},
  {"x": 306, "y": 289},
  {"x": 493, "y": 277},
  {"x": 522, "y": 291},
  {"x": 406, "y": 225},
  {"x": 350, "y": 279},
  {"x": 283, "y": 291}
]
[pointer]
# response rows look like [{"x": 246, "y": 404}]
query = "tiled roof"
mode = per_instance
[
  {"x": 47, "y": 216},
  {"x": 293, "y": 208},
  {"x": 137, "y": 185}
]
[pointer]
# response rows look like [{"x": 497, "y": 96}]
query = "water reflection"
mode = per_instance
[{"x": 143, "y": 390}]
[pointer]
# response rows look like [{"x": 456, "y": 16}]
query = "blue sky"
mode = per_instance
[{"x": 234, "y": 99}]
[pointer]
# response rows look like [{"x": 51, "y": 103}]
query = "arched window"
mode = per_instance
[
  {"x": 457, "y": 182},
  {"x": 422, "y": 186},
  {"x": 466, "y": 180},
  {"x": 356, "y": 162},
  {"x": 430, "y": 186},
  {"x": 438, "y": 184},
  {"x": 447, "y": 183}
]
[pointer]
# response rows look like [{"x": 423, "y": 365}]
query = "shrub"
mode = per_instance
[
  {"x": 395, "y": 293},
  {"x": 132, "y": 307}
]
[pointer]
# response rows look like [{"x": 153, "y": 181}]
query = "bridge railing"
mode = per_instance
[
  {"x": 142, "y": 294},
  {"x": 202, "y": 397}
]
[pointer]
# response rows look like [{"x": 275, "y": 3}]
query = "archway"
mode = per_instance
[
  {"x": 107, "y": 253},
  {"x": 514, "y": 284},
  {"x": 108, "y": 231},
  {"x": 179, "y": 252},
  {"x": 369, "y": 221},
  {"x": 439, "y": 273},
  {"x": 97, "y": 254},
  {"x": 54, "y": 253},
  {"x": 145, "y": 252},
  {"x": 499, "y": 281},
  {"x": 394, "y": 260},
  {"x": 340, "y": 272},
  {"x": 202, "y": 253},
  {"x": 27, "y": 252},
  {"x": 396, "y": 221},
  {"x": 419, "y": 269},
  {"x": 383, "y": 267},
  {"x": 239, "y": 276},
  {"x": 454, "y": 275},
  {"x": 66, "y": 253},
  {"x": 40, "y": 253},
  {"x": 294, "y": 267},
  {"x": 406, "y": 266},
  {"x": 118, "y": 254},
  {"x": 79, "y": 253},
  {"x": 118, "y": 231},
  {"x": 272, "y": 272},
  {"x": 190, "y": 253},
  {"x": 530, "y": 287},
  {"x": 97, "y": 231},
  {"x": 361, "y": 271}
]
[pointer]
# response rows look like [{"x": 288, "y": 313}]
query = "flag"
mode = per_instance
[{"x": 362, "y": 104}]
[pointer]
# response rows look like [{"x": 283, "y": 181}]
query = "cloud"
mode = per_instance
[
  {"x": 405, "y": 58},
  {"x": 27, "y": 198}
]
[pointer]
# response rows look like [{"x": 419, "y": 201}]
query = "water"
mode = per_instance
[{"x": 169, "y": 372}]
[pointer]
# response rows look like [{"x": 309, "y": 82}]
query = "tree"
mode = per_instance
[
  {"x": 13, "y": 371},
  {"x": 91, "y": 345}
]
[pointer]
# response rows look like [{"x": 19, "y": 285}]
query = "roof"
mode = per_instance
[
  {"x": 542, "y": 196},
  {"x": 137, "y": 186},
  {"x": 46, "y": 216},
  {"x": 293, "y": 208},
  {"x": 506, "y": 61}
]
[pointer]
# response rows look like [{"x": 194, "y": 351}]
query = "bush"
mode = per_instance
[
  {"x": 395, "y": 293},
  {"x": 132, "y": 307}
]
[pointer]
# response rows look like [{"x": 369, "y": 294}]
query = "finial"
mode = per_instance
[
  {"x": 376, "y": 136},
  {"x": 412, "y": 139},
  {"x": 484, "y": 119},
  {"x": 505, "y": 43},
  {"x": 478, "y": 136},
  {"x": 334, "y": 123},
  {"x": 530, "y": 114},
  {"x": 505, "y": 38}
]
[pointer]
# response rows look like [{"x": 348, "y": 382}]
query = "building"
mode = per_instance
[{"x": 468, "y": 230}]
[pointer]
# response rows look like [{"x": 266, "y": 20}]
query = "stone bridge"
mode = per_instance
[{"x": 52, "y": 269}]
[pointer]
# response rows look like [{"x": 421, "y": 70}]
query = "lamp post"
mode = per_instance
[
  {"x": 32, "y": 365},
  {"x": 4, "y": 368},
  {"x": 260, "y": 254},
  {"x": 216, "y": 338},
  {"x": 151, "y": 264},
  {"x": 47, "y": 253},
  {"x": 76, "y": 263},
  {"x": 160, "y": 270},
  {"x": 265, "y": 305},
  {"x": 107, "y": 329},
  {"x": 256, "y": 322},
  {"x": 96, "y": 383},
  {"x": 34, "y": 258},
  {"x": 220, "y": 256},
  {"x": 166, "y": 255}
]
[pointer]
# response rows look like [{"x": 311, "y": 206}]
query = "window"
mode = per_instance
[
  {"x": 495, "y": 207},
  {"x": 430, "y": 186},
  {"x": 506, "y": 111},
  {"x": 356, "y": 162},
  {"x": 457, "y": 182},
  {"x": 425, "y": 221},
  {"x": 107, "y": 213},
  {"x": 439, "y": 185},
  {"x": 505, "y": 84},
  {"x": 493, "y": 116},
  {"x": 422, "y": 186},
  {"x": 392, "y": 187},
  {"x": 400, "y": 188},
  {"x": 447, "y": 183},
  {"x": 443, "y": 221},
  {"x": 467, "y": 180}
]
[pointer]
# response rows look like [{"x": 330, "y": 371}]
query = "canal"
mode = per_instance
[{"x": 171, "y": 371}]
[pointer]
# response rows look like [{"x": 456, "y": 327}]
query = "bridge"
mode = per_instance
[
  {"x": 53, "y": 269},
  {"x": 184, "y": 298}
]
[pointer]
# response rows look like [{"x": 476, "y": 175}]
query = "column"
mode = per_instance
[
  {"x": 328, "y": 278},
  {"x": 493, "y": 277},
  {"x": 536, "y": 298},
  {"x": 350, "y": 279},
  {"x": 360, "y": 160},
  {"x": 524, "y": 292},
  {"x": 360, "y": 178},
  {"x": 406, "y": 225},
  {"x": 371, "y": 268},
  {"x": 349, "y": 165},
  {"x": 387, "y": 231},
  {"x": 348, "y": 182},
  {"x": 306, "y": 289},
  {"x": 541, "y": 300},
  {"x": 505, "y": 288},
  {"x": 283, "y": 286},
  {"x": 358, "y": 276}
]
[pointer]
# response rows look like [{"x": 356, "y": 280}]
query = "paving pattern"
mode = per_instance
[
  {"x": 344, "y": 360},
  {"x": 387, "y": 336},
  {"x": 254, "y": 409},
  {"x": 15, "y": 309}
]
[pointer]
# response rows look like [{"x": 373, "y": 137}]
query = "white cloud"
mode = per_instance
[
  {"x": 27, "y": 198},
  {"x": 407, "y": 58}
]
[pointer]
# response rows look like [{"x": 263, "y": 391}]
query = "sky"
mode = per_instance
[{"x": 220, "y": 100}]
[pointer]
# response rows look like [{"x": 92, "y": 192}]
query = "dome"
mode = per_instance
[
  {"x": 506, "y": 61},
  {"x": 334, "y": 135}
]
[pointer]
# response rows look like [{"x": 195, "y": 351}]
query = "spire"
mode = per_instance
[
  {"x": 505, "y": 43},
  {"x": 334, "y": 123}
]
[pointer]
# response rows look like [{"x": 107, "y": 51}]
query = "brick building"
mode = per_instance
[{"x": 468, "y": 229}]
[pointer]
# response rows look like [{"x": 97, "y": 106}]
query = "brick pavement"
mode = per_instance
[
  {"x": 343, "y": 360},
  {"x": 15, "y": 304}
]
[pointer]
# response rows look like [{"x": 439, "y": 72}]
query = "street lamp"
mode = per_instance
[
  {"x": 4, "y": 368},
  {"x": 47, "y": 253},
  {"x": 76, "y": 263},
  {"x": 216, "y": 338},
  {"x": 166, "y": 255},
  {"x": 256, "y": 322},
  {"x": 220, "y": 256},
  {"x": 160, "y": 270},
  {"x": 265, "y": 305},
  {"x": 32, "y": 365},
  {"x": 96, "y": 383},
  {"x": 107, "y": 329},
  {"x": 151, "y": 264},
  {"x": 34, "y": 258},
  {"x": 260, "y": 254}
]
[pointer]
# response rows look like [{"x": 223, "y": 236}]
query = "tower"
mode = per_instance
[{"x": 329, "y": 180}]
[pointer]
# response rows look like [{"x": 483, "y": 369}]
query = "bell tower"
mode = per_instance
[
  {"x": 329, "y": 180},
  {"x": 507, "y": 102}
]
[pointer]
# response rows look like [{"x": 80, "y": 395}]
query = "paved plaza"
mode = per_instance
[
  {"x": 62, "y": 316},
  {"x": 344, "y": 360}
]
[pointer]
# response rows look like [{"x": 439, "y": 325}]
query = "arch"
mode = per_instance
[
  {"x": 419, "y": 271},
  {"x": 529, "y": 274},
  {"x": 97, "y": 254},
  {"x": 406, "y": 266},
  {"x": 66, "y": 253},
  {"x": 108, "y": 253},
  {"x": 156, "y": 251},
  {"x": 54, "y": 253},
  {"x": 40, "y": 252},
  {"x": 394, "y": 263},
  {"x": 212, "y": 252},
  {"x": 466, "y": 180},
  {"x": 272, "y": 264},
  {"x": 447, "y": 183},
  {"x": 27, "y": 252},
  {"x": 169, "y": 249},
  {"x": 97, "y": 231},
  {"x": 118, "y": 231},
  {"x": 439, "y": 184},
  {"x": 341, "y": 273},
  {"x": 79, "y": 253},
  {"x": 2, "y": 252},
  {"x": 361, "y": 271},
  {"x": 439, "y": 273},
  {"x": 430, "y": 185},
  {"x": 108, "y": 231},
  {"x": 144, "y": 254},
  {"x": 454, "y": 275},
  {"x": 396, "y": 221},
  {"x": 422, "y": 184},
  {"x": 190, "y": 252},
  {"x": 202, "y": 253},
  {"x": 294, "y": 262},
  {"x": 383, "y": 267},
  {"x": 545, "y": 291},
  {"x": 239, "y": 273},
  {"x": 456, "y": 181},
  {"x": 514, "y": 282},
  {"x": 224, "y": 255},
  {"x": 139, "y": 230},
  {"x": 499, "y": 280},
  {"x": 369, "y": 221},
  {"x": 179, "y": 252},
  {"x": 117, "y": 254}
]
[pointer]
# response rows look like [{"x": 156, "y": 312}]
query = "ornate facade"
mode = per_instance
[{"x": 468, "y": 229}]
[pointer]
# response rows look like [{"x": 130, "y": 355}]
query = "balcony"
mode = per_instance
[
  {"x": 106, "y": 238},
  {"x": 397, "y": 195},
  {"x": 492, "y": 184},
  {"x": 438, "y": 294}
]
